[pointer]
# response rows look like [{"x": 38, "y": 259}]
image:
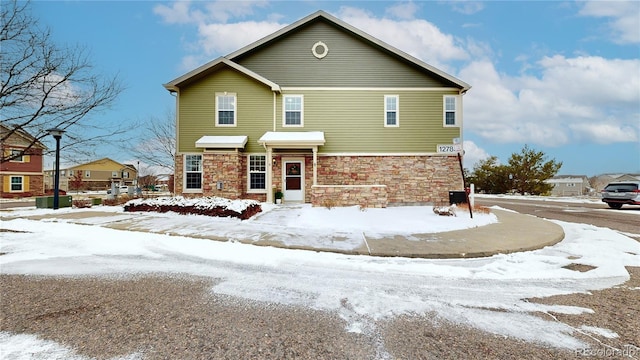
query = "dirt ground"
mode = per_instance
[{"x": 104, "y": 318}]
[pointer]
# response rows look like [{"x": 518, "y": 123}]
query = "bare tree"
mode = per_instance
[
  {"x": 157, "y": 145},
  {"x": 44, "y": 85}
]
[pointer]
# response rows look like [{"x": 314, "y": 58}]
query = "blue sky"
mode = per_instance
[{"x": 560, "y": 76}]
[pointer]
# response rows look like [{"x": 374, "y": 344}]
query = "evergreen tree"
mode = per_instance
[{"x": 530, "y": 169}]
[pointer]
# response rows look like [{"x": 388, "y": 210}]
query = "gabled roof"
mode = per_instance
[
  {"x": 227, "y": 60},
  {"x": 23, "y": 134},
  {"x": 96, "y": 162},
  {"x": 220, "y": 62}
]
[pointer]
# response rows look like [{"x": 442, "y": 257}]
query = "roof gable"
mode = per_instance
[
  {"x": 371, "y": 52},
  {"x": 104, "y": 163},
  {"x": 19, "y": 138},
  {"x": 213, "y": 66}
]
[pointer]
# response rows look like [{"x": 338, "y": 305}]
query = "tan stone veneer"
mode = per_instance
[
  {"x": 413, "y": 179},
  {"x": 369, "y": 181}
]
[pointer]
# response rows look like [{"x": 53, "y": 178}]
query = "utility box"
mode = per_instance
[
  {"x": 46, "y": 202},
  {"x": 457, "y": 197}
]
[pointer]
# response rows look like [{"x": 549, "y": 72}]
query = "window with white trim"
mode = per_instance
[
  {"x": 125, "y": 174},
  {"x": 114, "y": 174},
  {"x": 70, "y": 173},
  {"x": 226, "y": 114},
  {"x": 87, "y": 173},
  {"x": 450, "y": 111},
  {"x": 293, "y": 112},
  {"x": 17, "y": 183},
  {"x": 193, "y": 172},
  {"x": 19, "y": 155},
  {"x": 257, "y": 173},
  {"x": 391, "y": 111}
]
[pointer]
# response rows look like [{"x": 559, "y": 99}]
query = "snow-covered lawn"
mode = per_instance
[{"x": 487, "y": 293}]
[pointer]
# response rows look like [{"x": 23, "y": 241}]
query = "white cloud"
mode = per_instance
[
  {"x": 178, "y": 13},
  {"x": 466, "y": 7},
  {"x": 573, "y": 99},
  {"x": 405, "y": 11},
  {"x": 473, "y": 154},
  {"x": 222, "y": 11},
  {"x": 416, "y": 37},
  {"x": 221, "y": 39},
  {"x": 625, "y": 18}
]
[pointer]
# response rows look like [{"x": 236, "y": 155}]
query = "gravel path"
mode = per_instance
[{"x": 177, "y": 317}]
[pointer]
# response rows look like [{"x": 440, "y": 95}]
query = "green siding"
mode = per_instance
[
  {"x": 254, "y": 106},
  {"x": 353, "y": 121},
  {"x": 351, "y": 62}
]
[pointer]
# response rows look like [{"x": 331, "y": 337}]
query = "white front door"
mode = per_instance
[{"x": 293, "y": 180}]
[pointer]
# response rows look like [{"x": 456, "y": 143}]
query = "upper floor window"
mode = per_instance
[
  {"x": 125, "y": 174},
  {"x": 293, "y": 110},
  {"x": 87, "y": 173},
  {"x": 19, "y": 155},
  {"x": 451, "y": 111},
  {"x": 193, "y": 172},
  {"x": 70, "y": 172},
  {"x": 226, "y": 109},
  {"x": 257, "y": 172},
  {"x": 114, "y": 174},
  {"x": 391, "y": 110}
]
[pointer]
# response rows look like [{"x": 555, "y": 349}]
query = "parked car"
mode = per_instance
[{"x": 616, "y": 194}]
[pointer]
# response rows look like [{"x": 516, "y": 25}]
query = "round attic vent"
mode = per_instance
[{"x": 320, "y": 49}]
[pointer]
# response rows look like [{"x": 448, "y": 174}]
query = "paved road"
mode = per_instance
[{"x": 626, "y": 220}]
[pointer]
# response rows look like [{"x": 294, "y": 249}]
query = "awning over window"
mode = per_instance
[
  {"x": 222, "y": 142},
  {"x": 292, "y": 138}
]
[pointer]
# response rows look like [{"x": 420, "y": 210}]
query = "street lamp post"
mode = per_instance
[{"x": 57, "y": 134}]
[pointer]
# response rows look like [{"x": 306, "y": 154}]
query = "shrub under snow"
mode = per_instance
[{"x": 210, "y": 206}]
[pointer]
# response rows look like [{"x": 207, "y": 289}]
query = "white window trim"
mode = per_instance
[
  {"x": 19, "y": 159},
  {"x": 266, "y": 173},
  {"x": 21, "y": 183},
  {"x": 284, "y": 110},
  {"x": 87, "y": 173},
  {"x": 184, "y": 175},
  {"x": 397, "y": 97},
  {"x": 235, "y": 109},
  {"x": 457, "y": 121}
]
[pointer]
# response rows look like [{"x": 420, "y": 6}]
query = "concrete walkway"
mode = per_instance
[{"x": 513, "y": 232}]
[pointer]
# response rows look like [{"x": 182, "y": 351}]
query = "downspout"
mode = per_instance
[
  {"x": 274, "y": 111},
  {"x": 176, "y": 94}
]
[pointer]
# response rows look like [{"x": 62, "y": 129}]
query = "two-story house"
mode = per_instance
[
  {"x": 22, "y": 174},
  {"x": 324, "y": 113},
  {"x": 94, "y": 175}
]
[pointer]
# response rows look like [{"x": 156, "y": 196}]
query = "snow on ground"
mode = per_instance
[{"x": 486, "y": 293}]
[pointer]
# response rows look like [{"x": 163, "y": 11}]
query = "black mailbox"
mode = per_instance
[{"x": 457, "y": 197}]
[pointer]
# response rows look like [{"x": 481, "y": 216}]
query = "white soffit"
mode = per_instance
[
  {"x": 222, "y": 142},
  {"x": 292, "y": 138}
]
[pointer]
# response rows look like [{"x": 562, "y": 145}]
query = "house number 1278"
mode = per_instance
[{"x": 448, "y": 148}]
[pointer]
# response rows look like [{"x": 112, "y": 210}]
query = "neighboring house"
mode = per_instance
[
  {"x": 324, "y": 113},
  {"x": 94, "y": 175},
  {"x": 599, "y": 182},
  {"x": 570, "y": 185},
  {"x": 23, "y": 175}
]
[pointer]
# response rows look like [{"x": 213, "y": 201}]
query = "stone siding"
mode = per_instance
[
  {"x": 389, "y": 180},
  {"x": 409, "y": 179},
  {"x": 366, "y": 196}
]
